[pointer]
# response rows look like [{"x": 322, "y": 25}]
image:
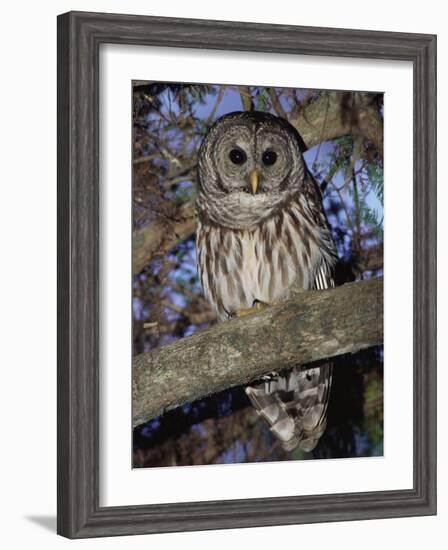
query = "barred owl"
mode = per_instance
[{"x": 262, "y": 235}]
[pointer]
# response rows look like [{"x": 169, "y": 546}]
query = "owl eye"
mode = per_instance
[
  {"x": 237, "y": 156},
  {"x": 269, "y": 158}
]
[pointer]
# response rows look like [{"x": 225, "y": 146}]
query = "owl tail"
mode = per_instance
[{"x": 295, "y": 404}]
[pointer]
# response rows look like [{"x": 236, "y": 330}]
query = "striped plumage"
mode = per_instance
[{"x": 262, "y": 246}]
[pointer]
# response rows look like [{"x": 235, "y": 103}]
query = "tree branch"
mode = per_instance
[
  {"x": 199, "y": 447},
  {"x": 329, "y": 118},
  {"x": 158, "y": 238},
  {"x": 313, "y": 325}
]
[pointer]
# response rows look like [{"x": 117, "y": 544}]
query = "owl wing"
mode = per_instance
[{"x": 294, "y": 404}]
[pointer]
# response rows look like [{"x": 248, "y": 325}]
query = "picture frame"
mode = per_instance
[{"x": 80, "y": 36}]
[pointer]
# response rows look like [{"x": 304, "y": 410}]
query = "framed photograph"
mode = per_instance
[{"x": 246, "y": 274}]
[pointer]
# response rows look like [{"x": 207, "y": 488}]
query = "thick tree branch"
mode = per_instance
[{"x": 313, "y": 325}]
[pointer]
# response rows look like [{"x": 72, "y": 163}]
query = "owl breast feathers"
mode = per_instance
[{"x": 261, "y": 235}]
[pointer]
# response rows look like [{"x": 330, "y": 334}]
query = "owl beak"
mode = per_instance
[{"x": 253, "y": 178}]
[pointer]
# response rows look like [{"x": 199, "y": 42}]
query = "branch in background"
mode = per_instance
[
  {"x": 371, "y": 259},
  {"x": 313, "y": 325},
  {"x": 246, "y": 98},
  {"x": 157, "y": 238},
  {"x": 202, "y": 447},
  {"x": 275, "y": 102},
  {"x": 194, "y": 315},
  {"x": 329, "y": 118}
]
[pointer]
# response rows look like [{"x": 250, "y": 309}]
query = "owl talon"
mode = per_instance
[
  {"x": 257, "y": 305},
  {"x": 243, "y": 312}
]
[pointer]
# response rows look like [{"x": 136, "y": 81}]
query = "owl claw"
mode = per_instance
[
  {"x": 257, "y": 305},
  {"x": 243, "y": 312}
]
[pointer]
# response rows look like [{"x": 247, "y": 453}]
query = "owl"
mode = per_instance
[{"x": 262, "y": 236}]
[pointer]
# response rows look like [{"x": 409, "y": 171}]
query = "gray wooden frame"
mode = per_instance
[{"x": 79, "y": 38}]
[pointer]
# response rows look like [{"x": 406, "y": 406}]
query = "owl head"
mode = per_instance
[{"x": 249, "y": 164}]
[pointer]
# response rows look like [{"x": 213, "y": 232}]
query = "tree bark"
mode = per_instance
[{"x": 311, "y": 326}]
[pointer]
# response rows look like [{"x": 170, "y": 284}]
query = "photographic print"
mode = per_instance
[
  {"x": 255, "y": 281},
  {"x": 243, "y": 198}
]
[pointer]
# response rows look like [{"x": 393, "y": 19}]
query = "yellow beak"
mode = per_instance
[{"x": 253, "y": 177}]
